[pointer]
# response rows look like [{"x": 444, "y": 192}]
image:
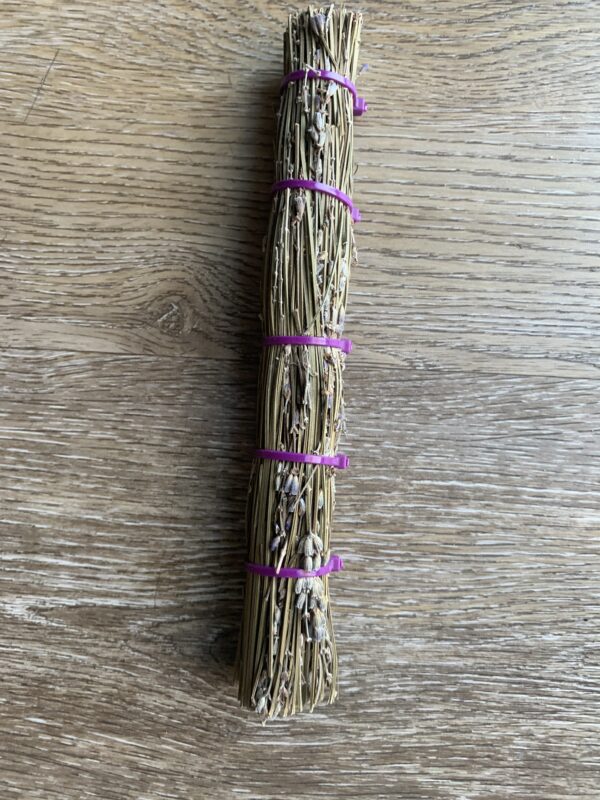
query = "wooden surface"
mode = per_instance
[{"x": 135, "y": 162}]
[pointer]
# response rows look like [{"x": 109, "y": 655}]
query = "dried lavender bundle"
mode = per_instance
[{"x": 287, "y": 654}]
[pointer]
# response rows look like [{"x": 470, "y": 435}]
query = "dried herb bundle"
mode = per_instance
[{"x": 287, "y": 654}]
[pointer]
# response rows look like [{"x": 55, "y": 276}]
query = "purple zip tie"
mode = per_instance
[
  {"x": 360, "y": 105},
  {"x": 341, "y": 460},
  {"x": 335, "y": 564},
  {"x": 345, "y": 345},
  {"x": 317, "y": 186}
]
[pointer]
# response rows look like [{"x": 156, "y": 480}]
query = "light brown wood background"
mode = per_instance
[{"x": 135, "y": 160}]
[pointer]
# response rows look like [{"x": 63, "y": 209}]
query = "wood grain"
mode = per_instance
[{"x": 135, "y": 158}]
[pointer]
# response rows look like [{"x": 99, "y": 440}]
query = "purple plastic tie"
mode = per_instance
[
  {"x": 335, "y": 564},
  {"x": 360, "y": 105},
  {"x": 345, "y": 345},
  {"x": 317, "y": 186},
  {"x": 341, "y": 460}
]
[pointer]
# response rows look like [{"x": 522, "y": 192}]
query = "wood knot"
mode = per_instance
[{"x": 174, "y": 317}]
